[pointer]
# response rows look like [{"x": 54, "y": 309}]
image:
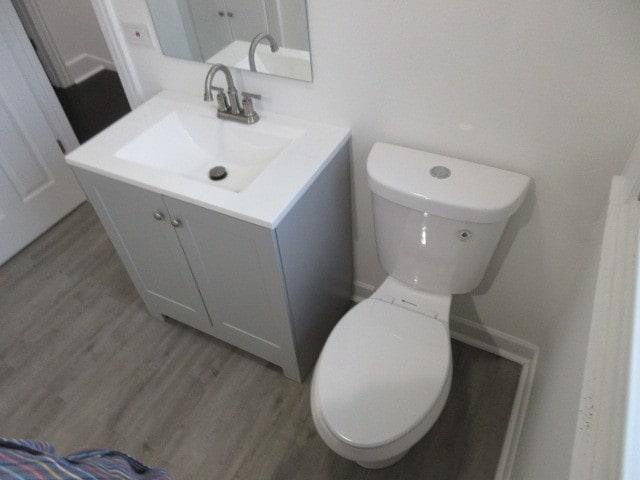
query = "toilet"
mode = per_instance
[{"x": 384, "y": 374}]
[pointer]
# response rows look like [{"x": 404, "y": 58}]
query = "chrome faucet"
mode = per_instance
[
  {"x": 229, "y": 107},
  {"x": 254, "y": 44}
]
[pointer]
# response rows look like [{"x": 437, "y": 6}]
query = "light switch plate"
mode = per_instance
[{"x": 137, "y": 34}]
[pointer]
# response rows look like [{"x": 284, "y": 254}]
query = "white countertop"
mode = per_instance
[{"x": 263, "y": 202}]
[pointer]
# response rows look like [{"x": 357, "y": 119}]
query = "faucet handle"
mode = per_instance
[
  {"x": 248, "y": 95},
  {"x": 221, "y": 98},
  {"x": 247, "y": 107}
]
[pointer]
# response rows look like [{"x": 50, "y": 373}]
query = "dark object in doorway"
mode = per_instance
[{"x": 94, "y": 104}]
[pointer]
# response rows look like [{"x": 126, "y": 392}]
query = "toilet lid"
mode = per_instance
[{"x": 380, "y": 372}]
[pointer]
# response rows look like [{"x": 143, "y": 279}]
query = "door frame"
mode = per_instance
[
  {"x": 38, "y": 32},
  {"x": 119, "y": 49}
]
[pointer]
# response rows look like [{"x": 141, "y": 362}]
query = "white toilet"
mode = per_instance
[{"x": 384, "y": 374}]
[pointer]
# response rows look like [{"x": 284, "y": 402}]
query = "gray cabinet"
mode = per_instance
[
  {"x": 274, "y": 292},
  {"x": 138, "y": 224},
  {"x": 237, "y": 267}
]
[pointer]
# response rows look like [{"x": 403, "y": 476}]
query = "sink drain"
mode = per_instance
[{"x": 217, "y": 173}]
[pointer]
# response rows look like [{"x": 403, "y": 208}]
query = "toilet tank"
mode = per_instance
[{"x": 438, "y": 219}]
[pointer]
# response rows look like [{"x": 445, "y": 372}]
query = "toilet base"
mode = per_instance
[{"x": 383, "y": 463}]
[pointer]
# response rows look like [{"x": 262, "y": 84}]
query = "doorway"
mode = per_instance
[{"x": 70, "y": 45}]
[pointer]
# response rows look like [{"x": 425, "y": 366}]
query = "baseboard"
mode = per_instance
[
  {"x": 86, "y": 65},
  {"x": 492, "y": 340},
  {"x": 516, "y": 350},
  {"x": 505, "y": 346}
]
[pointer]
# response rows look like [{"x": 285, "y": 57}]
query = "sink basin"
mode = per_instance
[
  {"x": 170, "y": 143},
  {"x": 190, "y": 145}
]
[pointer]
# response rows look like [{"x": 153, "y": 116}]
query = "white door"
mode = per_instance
[
  {"x": 212, "y": 29},
  {"x": 247, "y": 18},
  {"x": 37, "y": 188}
]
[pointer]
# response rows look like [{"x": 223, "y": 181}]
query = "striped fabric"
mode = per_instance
[{"x": 33, "y": 460}]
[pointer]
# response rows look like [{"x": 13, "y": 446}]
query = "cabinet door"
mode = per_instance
[
  {"x": 148, "y": 247},
  {"x": 237, "y": 268},
  {"x": 247, "y": 18},
  {"x": 212, "y": 30}
]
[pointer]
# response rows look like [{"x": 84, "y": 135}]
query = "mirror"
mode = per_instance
[{"x": 222, "y": 31}]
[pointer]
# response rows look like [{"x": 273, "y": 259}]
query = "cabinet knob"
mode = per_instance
[
  {"x": 158, "y": 216},
  {"x": 176, "y": 222},
  {"x": 230, "y": 14}
]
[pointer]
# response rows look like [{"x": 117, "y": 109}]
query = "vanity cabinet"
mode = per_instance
[
  {"x": 275, "y": 292},
  {"x": 237, "y": 267},
  {"x": 138, "y": 223}
]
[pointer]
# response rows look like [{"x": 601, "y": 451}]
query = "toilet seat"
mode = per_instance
[{"x": 384, "y": 374}]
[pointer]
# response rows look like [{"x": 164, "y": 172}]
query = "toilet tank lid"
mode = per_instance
[{"x": 467, "y": 191}]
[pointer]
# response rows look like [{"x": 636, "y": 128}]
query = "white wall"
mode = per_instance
[
  {"x": 546, "y": 441},
  {"x": 544, "y": 88},
  {"x": 77, "y": 36}
]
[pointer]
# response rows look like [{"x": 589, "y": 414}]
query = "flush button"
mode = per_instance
[{"x": 440, "y": 172}]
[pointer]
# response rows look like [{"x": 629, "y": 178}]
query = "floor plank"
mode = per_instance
[{"x": 83, "y": 365}]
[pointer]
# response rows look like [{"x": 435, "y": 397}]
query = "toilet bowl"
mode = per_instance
[
  {"x": 384, "y": 373},
  {"x": 383, "y": 376}
]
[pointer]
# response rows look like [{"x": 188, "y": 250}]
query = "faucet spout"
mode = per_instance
[
  {"x": 231, "y": 88},
  {"x": 228, "y": 105},
  {"x": 254, "y": 44}
]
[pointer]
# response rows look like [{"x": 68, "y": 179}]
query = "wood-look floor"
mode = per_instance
[{"x": 83, "y": 365}]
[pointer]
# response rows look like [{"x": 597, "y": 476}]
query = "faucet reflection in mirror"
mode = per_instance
[
  {"x": 221, "y": 31},
  {"x": 254, "y": 44},
  {"x": 228, "y": 107}
]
